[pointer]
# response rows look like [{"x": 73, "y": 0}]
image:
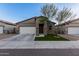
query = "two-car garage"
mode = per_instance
[
  {"x": 73, "y": 30},
  {"x": 27, "y": 26},
  {"x": 27, "y": 30}
]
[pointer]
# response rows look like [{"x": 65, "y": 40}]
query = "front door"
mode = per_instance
[{"x": 41, "y": 28}]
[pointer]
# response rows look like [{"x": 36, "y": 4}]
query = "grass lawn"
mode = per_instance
[{"x": 50, "y": 38}]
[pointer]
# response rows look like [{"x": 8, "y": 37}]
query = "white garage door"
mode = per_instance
[
  {"x": 27, "y": 30},
  {"x": 1, "y": 30},
  {"x": 73, "y": 30}
]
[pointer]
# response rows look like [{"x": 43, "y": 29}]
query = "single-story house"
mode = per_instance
[
  {"x": 6, "y": 27},
  {"x": 70, "y": 27},
  {"x": 35, "y": 26}
]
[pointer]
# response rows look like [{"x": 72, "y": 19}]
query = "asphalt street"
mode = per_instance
[{"x": 39, "y": 52}]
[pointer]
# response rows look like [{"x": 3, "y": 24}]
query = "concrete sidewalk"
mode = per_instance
[{"x": 39, "y": 44}]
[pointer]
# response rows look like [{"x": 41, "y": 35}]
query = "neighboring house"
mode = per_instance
[
  {"x": 70, "y": 27},
  {"x": 1, "y": 29},
  {"x": 34, "y": 26},
  {"x": 6, "y": 27}
]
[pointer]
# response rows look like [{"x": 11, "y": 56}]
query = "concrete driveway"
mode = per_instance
[
  {"x": 15, "y": 41},
  {"x": 4, "y": 36},
  {"x": 25, "y": 45},
  {"x": 26, "y": 41}
]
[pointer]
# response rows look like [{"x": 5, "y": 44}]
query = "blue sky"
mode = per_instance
[{"x": 20, "y": 11}]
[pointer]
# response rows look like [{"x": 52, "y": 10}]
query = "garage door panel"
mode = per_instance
[
  {"x": 27, "y": 30},
  {"x": 1, "y": 30},
  {"x": 73, "y": 30}
]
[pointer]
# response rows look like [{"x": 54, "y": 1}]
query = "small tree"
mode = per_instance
[
  {"x": 49, "y": 11},
  {"x": 63, "y": 15}
]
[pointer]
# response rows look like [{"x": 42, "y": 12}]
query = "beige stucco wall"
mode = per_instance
[
  {"x": 27, "y": 23},
  {"x": 7, "y": 26},
  {"x": 33, "y": 23},
  {"x": 73, "y": 23}
]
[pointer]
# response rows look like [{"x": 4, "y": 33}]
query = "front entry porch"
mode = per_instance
[{"x": 41, "y": 28}]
